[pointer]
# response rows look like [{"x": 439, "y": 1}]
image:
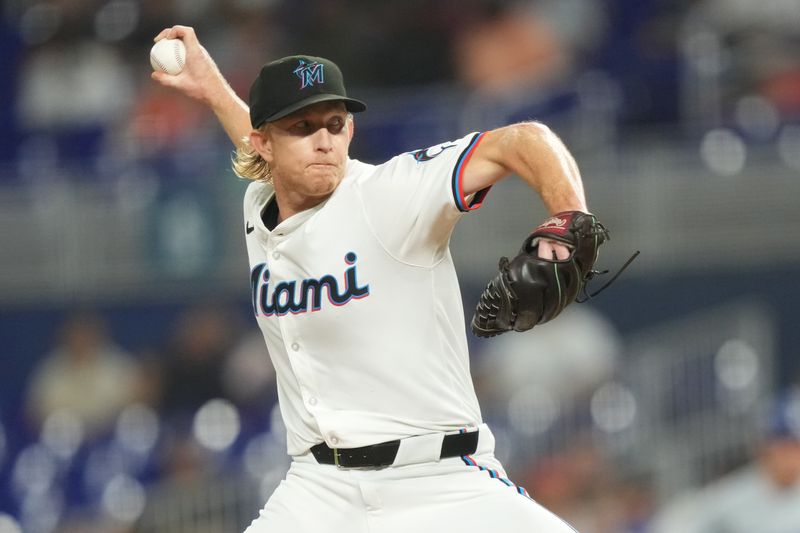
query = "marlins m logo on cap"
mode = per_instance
[{"x": 310, "y": 73}]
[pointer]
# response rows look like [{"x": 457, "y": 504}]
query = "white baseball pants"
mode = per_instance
[{"x": 470, "y": 494}]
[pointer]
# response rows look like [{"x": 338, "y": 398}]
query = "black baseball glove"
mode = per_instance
[{"x": 530, "y": 290}]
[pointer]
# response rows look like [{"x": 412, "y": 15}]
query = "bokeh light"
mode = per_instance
[
  {"x": 217, "y": 424},
  {"x": 8, "y": 524},
  {"x": 124, "y": 499},
  {"x": 736, "y": 365},
  {"x": 39, "y": 22},
  {"x": 42, "y": 512},
  {"x": 35, "y": 470},
  {"x": 62, "y": 433},
  {"x": 737, "y": 372},
  {"x": 723, "y": 152},
  {"x": 137, "y": 429},
  {"x": 613, "y": 407}
]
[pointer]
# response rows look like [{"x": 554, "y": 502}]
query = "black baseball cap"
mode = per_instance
[{"x": 285, "y": 85}]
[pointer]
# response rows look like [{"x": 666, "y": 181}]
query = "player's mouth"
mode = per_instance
[{"x": 323, "y": 167}]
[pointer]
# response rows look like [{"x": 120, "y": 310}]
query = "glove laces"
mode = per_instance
[{"x": 593, "y": 273}]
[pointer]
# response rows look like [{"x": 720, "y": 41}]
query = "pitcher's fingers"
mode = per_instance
[
  {"x": 186, "y": 33},
  {"x": 545, "y": 250},
  {"x": 167, "y": 80},
  {"x": 562, "y": 251},
  {"x": 162, "y": 34},
  {"x": 553, "y": 250}
]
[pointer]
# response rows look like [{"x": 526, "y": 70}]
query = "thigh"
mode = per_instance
[
  {"x": 471, "y": 495},
  {"x": 311, "y": 499}
]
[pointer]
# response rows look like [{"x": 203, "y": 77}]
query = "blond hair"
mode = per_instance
[{"x": 248, "y": 164}]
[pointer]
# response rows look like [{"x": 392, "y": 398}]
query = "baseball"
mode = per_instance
[{"x": 168, "y": 55}]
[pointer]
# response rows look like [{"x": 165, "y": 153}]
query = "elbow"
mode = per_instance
[
  {"x": 535, "y": 130},
  {"x": 527, "y": 136},
  {"x": 530, "y": 137},
  {"x": 522, "y": 148},
  {"x": 522, "y": 134}
]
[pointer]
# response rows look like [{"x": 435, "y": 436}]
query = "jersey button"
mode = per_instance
[
  {"x": 295, "y": 346},
  {"x": 276, "y": 255},
  {"x": 334, "y": 440},
  {"x": 312, "y": 401}
]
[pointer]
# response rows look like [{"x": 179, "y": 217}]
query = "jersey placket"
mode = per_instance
[{"x": 282, "y": 268}]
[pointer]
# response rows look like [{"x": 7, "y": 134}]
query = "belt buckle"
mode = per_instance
[{"x": 336, "y": 456}]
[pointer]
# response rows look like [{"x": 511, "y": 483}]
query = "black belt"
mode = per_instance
[{"x": 383, "y": 454}]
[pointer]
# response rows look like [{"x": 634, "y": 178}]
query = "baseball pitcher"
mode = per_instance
[{"x": 354, "y": 289}]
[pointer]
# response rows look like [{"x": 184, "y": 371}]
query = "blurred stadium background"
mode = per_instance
[{"x": 135, "y": 393}]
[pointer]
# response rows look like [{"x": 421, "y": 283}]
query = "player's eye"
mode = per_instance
[
  {"x": 301, "y": 126},
  {"x": 335, "y": 125}
]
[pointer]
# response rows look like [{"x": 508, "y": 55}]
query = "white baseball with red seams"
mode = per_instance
[{"x": 168, "y": 55}]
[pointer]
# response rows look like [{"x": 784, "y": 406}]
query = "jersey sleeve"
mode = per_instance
[{"x": 414, "y": 200}]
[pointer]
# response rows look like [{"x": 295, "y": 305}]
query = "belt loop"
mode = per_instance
[
  {"x": 336, "y": 457},
  {"x": 419, "y": 449}
]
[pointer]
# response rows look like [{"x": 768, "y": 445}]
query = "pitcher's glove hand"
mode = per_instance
[{"x": 530, "y": 290}]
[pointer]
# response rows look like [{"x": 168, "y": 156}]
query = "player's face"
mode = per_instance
[{"x": 307, "y": 150}]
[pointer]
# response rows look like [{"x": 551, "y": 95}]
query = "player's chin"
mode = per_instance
[{"x": 323, "y": 179}]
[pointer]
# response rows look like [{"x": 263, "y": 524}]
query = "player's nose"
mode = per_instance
[{"x": 323, "y": 140}]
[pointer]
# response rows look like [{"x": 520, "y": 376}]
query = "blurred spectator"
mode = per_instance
[
  {"x": 582, "y": 485},
  {"x": 569, "y": 481},
  {"x": 194, "y": 360},
  {"x": 504, "y": 48},
  {"x": 74, "y": 90},
  {"x": 528, "y": 60},
  {"x": 74, "y": 84},
  {"x": 85, "y": 374},
  {"x": 763, "y": 496},
  {"x": 743, "y": 61},
  {"x": 160, "y": 122}
]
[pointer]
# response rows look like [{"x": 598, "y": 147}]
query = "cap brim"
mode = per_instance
[{"x": 351, "y": 104}]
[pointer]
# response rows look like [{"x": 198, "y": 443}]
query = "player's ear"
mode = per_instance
[
  {"x": 261, "y": 143},
  {"x": 351, "y": 126}
]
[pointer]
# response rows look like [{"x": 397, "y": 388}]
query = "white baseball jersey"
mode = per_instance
[{"x": 359, "y": 303}]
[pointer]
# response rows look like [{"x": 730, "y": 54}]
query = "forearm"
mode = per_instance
[{"x": 538, "y": 156}]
